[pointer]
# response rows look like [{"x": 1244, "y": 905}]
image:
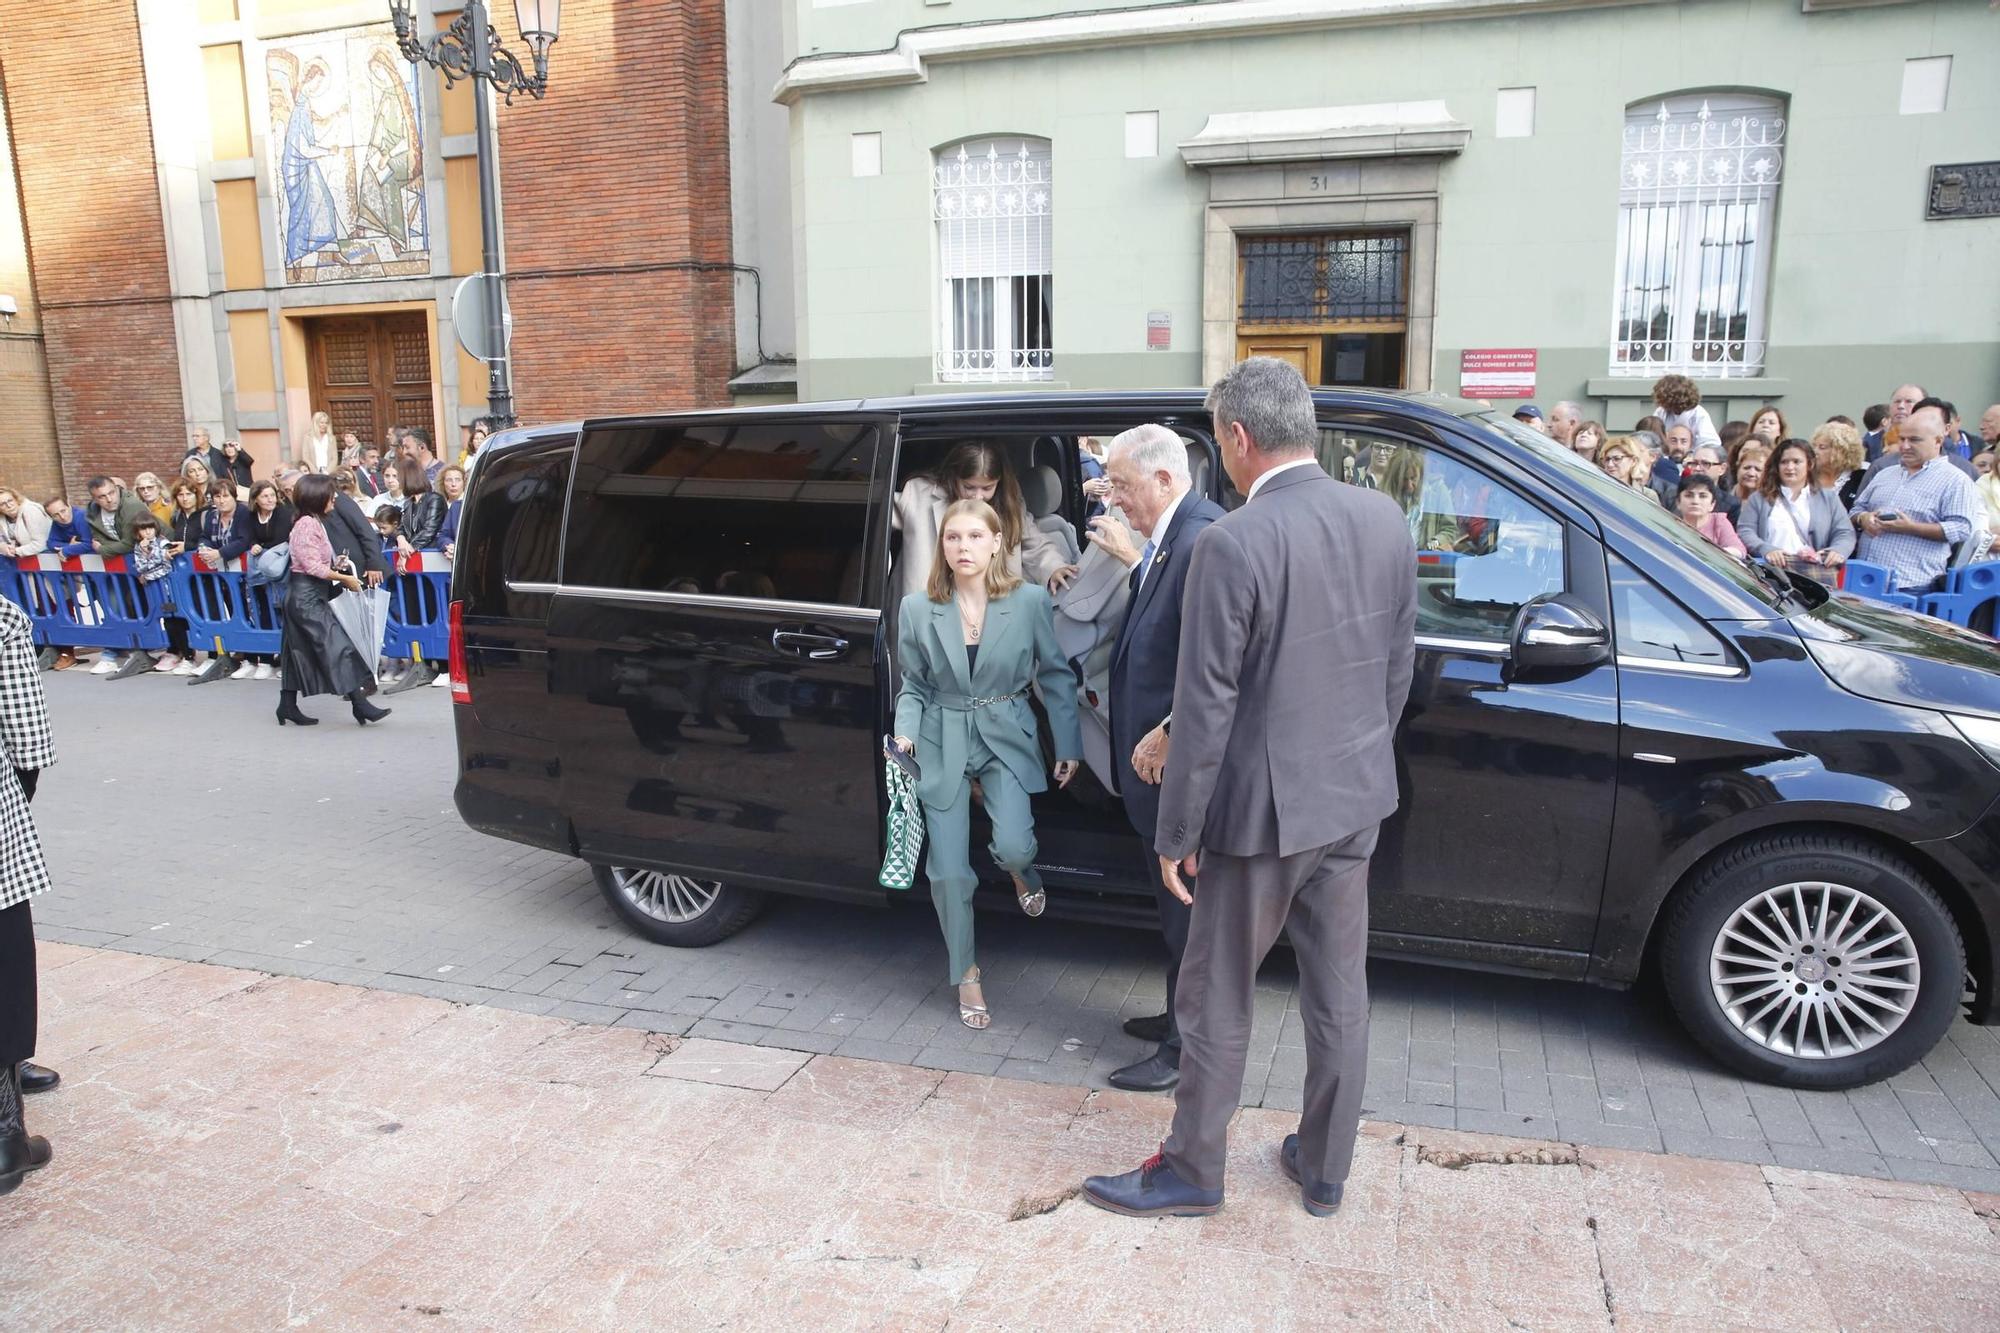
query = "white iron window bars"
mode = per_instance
[
  {"x": 1698, "y": 192},
  {"x": 991, "y": 200}
]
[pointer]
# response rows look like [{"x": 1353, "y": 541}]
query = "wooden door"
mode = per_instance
[
  {"x": 1302, "y": 350},
  {"x": 371, "y": 372}
]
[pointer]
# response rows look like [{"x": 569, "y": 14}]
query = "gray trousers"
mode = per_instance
[
  {"x": 948, "y": 860},
  {"x": 1319, "y": 898}
]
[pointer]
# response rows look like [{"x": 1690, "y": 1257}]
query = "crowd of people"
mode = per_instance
[
  {"x": 214, "y": 511},
  {"x": 1908, "y": 487}
]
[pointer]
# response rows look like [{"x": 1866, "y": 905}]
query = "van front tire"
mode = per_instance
[
  {"x": 675, "y": 909},
  {"x": 1813, "y": 961}
]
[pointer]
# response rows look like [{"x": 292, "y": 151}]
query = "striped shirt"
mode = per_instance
[{"x": 1938, "y": 493}]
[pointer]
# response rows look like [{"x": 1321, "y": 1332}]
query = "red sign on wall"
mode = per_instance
[{"x": 1497, "y": 372}]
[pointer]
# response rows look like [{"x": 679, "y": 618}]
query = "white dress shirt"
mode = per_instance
[
  {"x": 1159, "y": 537},
  {"x": 1258, "y": 485},
  {"x": 1782, "y": 531}
]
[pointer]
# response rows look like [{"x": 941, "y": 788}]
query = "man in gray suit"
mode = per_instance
[{"x": 1297, "y": 642}]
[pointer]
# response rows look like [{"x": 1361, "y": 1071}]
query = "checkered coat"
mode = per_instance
[{"x": 25, "y": 742}]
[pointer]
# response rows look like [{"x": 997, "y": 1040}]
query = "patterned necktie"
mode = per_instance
[{"x": 1139, "y": 570}]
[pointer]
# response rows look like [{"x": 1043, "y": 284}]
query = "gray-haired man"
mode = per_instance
[
  {"x": 1148, "y": 470},
  {"x": 1297, "y": 644}
]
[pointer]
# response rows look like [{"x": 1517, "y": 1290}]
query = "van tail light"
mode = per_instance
[{"x": 461, "y": 684}]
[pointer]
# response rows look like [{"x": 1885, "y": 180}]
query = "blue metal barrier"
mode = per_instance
[
  {"x": 419, "y": 599},
  {"x": 219, "y": 605},
  {"x": 89, "y": 601}
]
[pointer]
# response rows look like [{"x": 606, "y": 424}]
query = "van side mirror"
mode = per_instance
[{"x": 1558, "y": 633}]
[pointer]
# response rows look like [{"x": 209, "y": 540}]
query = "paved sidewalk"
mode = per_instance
[
  {"x": 356, "y": 869},
  {"x": 235, "y": 1150}
]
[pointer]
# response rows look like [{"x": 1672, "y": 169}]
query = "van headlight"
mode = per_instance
[{"x": 1982, "y": 732}]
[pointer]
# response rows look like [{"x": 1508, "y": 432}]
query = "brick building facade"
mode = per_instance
[
  {"x": 164, "y": 283},
  {"x": 89, "y": 205}
]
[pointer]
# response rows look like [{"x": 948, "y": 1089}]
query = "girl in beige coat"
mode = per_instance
[{"x": 978, "y": 471}]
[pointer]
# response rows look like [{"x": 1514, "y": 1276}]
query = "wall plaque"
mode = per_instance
[{"x": 1964, "y": 190}]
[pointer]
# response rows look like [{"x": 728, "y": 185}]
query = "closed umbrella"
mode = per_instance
[{"x": 364, "y": 617}]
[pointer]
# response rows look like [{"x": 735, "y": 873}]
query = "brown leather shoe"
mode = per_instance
[{"x": 64, "y": 661}]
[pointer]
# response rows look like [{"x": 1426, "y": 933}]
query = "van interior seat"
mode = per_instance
[
  {"x": 1198, "y": 466},
  {"x": 1042, "y": 492}
]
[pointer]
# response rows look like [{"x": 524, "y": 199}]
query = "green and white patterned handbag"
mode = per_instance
[{"x": 906, "y": 829}]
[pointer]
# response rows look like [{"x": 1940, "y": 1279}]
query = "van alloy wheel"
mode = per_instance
[
  {"x": 669, "y": 897},
  {"x": 1815, "y": 970},
  {"x": 676, "y": 909},
  {"x": 1812, "y": 959}
]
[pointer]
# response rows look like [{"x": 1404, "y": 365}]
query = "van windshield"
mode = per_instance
[{"x": 1607, "y": 494}]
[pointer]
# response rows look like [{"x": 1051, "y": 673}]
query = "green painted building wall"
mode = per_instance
[{"x": 1864, "y": 293}]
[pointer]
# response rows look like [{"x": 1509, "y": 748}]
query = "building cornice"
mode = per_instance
[
  {"x": 1322, "y": 134},
  {"x": 908, "y": 61}
]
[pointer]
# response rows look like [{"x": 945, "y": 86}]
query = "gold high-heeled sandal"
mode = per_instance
[
  {"x": 1031, "y": 903},
  {"x": 974, "y": 1016}
]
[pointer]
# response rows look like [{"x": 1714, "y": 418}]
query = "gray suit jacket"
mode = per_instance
[{"x": 1298, "y": 637}]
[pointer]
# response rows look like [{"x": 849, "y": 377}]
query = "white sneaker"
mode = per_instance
[
  {"x": 244, "y": 671},
  {"x": 264, "y": 671},
  {"x": 442, "y": 681},
  {"x": 105, "y": 666},
  {"x": 184, "y": 669},
  {"x": 168, "y": 664}
]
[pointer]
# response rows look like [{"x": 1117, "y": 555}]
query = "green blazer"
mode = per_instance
[{"x": 1019, "y": 646}]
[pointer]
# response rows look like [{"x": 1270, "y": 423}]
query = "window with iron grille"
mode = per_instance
[
  {"x": 1697, "y": 196},
  {"x": 991, "y": 200},
  {"x": 1327, "y": 278}
]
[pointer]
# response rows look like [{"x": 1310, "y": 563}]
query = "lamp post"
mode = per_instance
[{"x": 470, "y": 49}]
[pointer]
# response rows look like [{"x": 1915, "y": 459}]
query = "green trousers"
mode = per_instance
[{"x": 948, "y": 862}]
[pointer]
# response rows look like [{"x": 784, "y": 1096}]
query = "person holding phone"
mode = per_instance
[
  {"x": 317, "y": 656},
  {"x": 971, "y": 645}
]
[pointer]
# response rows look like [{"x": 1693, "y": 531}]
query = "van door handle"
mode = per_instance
[{"x": 818, "y": 647}]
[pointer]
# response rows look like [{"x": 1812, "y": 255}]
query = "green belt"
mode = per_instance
[{"x": 965, "y": 703}]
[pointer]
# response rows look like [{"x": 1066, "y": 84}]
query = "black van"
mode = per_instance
[{"x": 1623, "y": 747}]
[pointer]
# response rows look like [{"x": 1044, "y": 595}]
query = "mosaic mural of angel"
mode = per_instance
[{"x": 347, "y": 158}]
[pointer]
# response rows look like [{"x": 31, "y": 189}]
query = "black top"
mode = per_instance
[
  {"x": 186, "y": 527},
  {"x": 971, "y": 658},
  {"x": 274, "y": 530}
]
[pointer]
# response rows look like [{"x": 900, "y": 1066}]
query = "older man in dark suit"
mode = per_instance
[
  {"x": 1297, "y": 643},
  {"x": 1148, "y": 470}
]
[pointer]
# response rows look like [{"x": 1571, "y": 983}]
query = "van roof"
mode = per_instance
[{"x": 952, "y": 404}]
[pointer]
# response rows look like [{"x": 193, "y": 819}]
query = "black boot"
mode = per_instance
[
  {"x": 37, "y": 1078},
  {"x": 288, "y": 710},
  {"x": 365, "y": 712},
  {"x": 20, "y": 1151}
]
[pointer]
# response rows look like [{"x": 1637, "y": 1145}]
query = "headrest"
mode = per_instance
[{"x": 1041, "y": 490}]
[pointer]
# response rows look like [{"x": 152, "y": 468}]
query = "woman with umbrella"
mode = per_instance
[{"x": 318, "y": 656}]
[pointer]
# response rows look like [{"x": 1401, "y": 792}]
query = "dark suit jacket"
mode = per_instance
[
  {"x": 350, "y": 533},
  {"x": 369, "y": 481},
  {"x": 1298, "y": 637},
  {"x": 1145, "y": 654}
]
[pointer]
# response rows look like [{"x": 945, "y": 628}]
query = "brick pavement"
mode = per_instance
[
  {"x": 242, "y": 1151},
  {"x": 357, "y": 870}
]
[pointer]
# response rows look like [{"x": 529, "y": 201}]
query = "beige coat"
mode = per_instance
[{"x": 919, "y": 513}]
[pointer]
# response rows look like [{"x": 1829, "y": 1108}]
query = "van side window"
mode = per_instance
[
  {"x": 762, "y": 511},
  {"x": 515, "y": 533}
]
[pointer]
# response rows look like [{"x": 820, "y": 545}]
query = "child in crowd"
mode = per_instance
[
  {"x": 388, "y": 520},
  {"x": 152, "y": 561}
]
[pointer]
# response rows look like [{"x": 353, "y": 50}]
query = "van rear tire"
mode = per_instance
[{"x": 675, "y": 909}]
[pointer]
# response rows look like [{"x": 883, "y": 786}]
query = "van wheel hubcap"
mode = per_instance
[
  {"x": 673, "y": 898},
  {"x": 1815, "y": 971}
]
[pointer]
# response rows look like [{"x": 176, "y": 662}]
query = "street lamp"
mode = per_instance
[{"x": 470, "y": 49}]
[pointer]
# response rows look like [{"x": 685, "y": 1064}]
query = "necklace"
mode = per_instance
[{"x": 972, "y": 628}]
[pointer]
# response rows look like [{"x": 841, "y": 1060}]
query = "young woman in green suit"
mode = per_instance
[{"x": 970, "y": 645}]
